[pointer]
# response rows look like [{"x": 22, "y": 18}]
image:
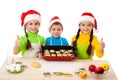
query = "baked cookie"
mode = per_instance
[
  {"x": 35, "y": 65},
  {"x": 62, "y": 50},
  {"x": 58, "y": 73},
  {"x": 58, "y": 52},
  {"x": 70, "y": 55},
  {"x": 53, "y": 55},
  {"x": 67, "y": 74},
  {"x": 59, "y": 55},
  {"x": 70, "y": 51},
  {"x": 64, "y": 54},
  {"x": 52, "y": 51},
  {"x": 46, "y": 55}
]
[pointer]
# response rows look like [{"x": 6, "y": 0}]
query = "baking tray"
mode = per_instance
[{"x": 58, "y": 53}]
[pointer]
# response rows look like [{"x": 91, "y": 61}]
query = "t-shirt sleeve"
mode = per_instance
[
  {"x": 42, "y": 40},
  {"x": 73, "y": 39},
  {"x": 96, "y": 45},
  {"x": 22, "y": 45}
]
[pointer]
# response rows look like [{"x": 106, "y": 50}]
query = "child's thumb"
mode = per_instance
[{"x": 101, "y": 40}]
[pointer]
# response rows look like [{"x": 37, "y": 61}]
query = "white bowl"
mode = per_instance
[{"x": 97, "y": 76}]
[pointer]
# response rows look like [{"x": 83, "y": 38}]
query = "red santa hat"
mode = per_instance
[
  {"x": 53, "y": 20},
  {"x": 86, "y": 16},
  {"x": 30, "y": 15}
]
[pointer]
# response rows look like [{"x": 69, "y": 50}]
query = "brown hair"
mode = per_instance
[
  {"x": 56, "y": 23},
  {"x": 28, "y": 46}
]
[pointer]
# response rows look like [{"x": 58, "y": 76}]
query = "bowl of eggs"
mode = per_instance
[{"x": 15, "y": 68}]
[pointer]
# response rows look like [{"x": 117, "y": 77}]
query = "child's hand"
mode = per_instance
[
  {"x": 17, "y": 42},
  {"x": 102, "y": 45},
  {"x": 39, "y": 55}
]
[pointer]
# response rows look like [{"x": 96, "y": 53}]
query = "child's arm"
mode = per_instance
[
  {"x": 16, "y": 46},
  {"x": 99, "y": 47}
]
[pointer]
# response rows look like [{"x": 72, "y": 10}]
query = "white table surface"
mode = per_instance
[{"x": 31, "y": 73}]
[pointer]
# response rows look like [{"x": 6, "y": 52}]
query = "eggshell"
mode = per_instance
[
  {"x": 12, "y": 69},
  {"x": 18, "y": 67}
]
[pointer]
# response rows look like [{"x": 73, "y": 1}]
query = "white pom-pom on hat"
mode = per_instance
[
  {"x": 30, "y": 15},
  {"x": 87, "y": 16},
  {"x": 53, "y": 20}
]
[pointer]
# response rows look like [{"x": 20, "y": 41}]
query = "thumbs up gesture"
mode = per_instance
[
  {"x": 102, "y": 45},
  {"x": 17, "y": 42}
]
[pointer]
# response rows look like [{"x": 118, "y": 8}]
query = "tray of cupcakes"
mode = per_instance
[{"x": 58, "y": 53}]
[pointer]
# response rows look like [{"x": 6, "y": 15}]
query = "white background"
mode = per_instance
[{"x": 106, "y": 12}]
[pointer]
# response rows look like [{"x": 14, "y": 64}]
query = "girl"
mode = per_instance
[
  {"x": 56, "y": 29},
  {"x": 30, "y": 43},
  {"x": 85, "y": 42}
]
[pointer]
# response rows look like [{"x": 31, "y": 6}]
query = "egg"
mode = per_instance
[
  {"x": 13, "y": 65},
  {"x": 18, "y": 67},
  {"x": 8, "y": 67},
  {"x": 12, "y": 68}
]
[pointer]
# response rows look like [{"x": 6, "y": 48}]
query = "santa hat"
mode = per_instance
[
  {"x": 53, "y": 20},
  {"x": 30, "y": 15},
  {"x": 86, "y": 16}
]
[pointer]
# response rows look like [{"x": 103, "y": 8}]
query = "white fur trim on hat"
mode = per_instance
[
  {"x": 53, "y": 21},
  {"x": 86, "y": 18},
  {"x": 32, "y": 17}
]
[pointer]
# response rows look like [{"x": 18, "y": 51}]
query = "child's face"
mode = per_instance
[
  {"x": 56, "y": 30},
  {"x": 33, "y": 26},
  {"x": 86, "y": 26}
]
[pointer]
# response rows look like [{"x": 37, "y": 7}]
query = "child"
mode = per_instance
[
  {"x": 85, "y": 42},
  {"x": 31, "y": 42},
  {"x": 56, "y": 29}
]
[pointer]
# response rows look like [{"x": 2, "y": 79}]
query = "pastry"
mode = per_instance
[
  {"x": 58, "y": 73},
  {"x": 67, "y": 75},
  {"x": 46, "y": 51},
  {"x": 35, "y": 65},
  {"x": 64, "y": 54},
  {"x": 70, "y": 55},
  {"x": 70, "y": 51},
  {"x": 52, "y": 51},
  {"x": 59, "y": 55},
  {"x": 62, "y": 50},
  {"x": 46, "y": 74},
  {"x": 46, "y": 55},
  {"x": 57, "y": 51},
  {"x": 53, "y": 55}
]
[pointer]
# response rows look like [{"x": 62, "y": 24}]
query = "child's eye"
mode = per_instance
[
  {"x": 83, "y": 24},
  {"x": 37, "y": 23},
  {"x": 59, "y": 29},
  {"x": 89, "y": 24},
  {"x": 30, "y": 23},
  {"x": 53, "y": 29}
]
